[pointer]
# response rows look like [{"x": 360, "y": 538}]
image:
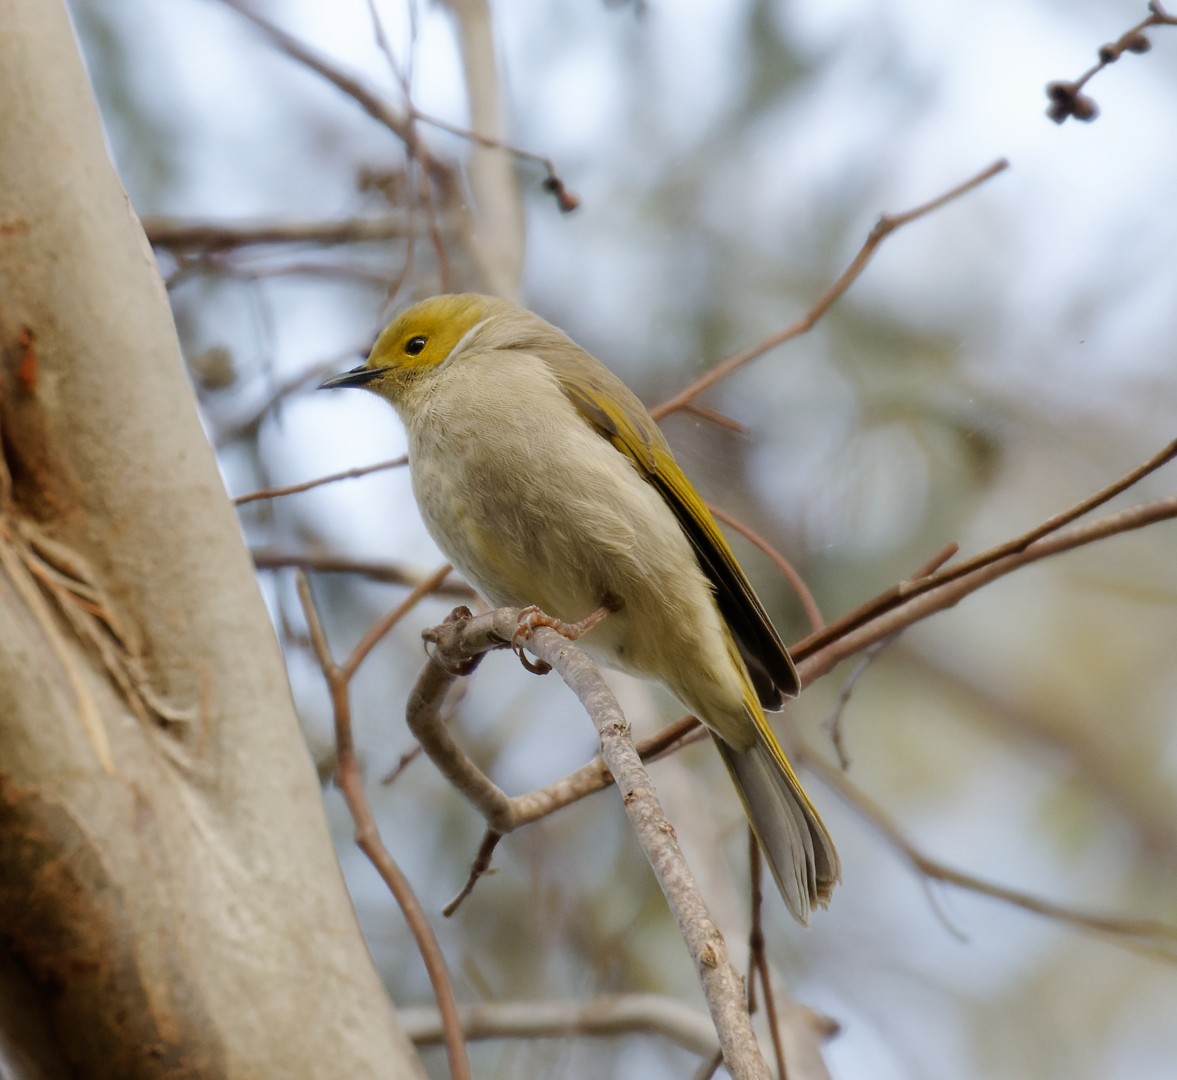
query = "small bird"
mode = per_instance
[{"x": 547, "y": 483}]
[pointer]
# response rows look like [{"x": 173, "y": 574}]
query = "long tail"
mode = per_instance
[{"x": 799, "y": 851}]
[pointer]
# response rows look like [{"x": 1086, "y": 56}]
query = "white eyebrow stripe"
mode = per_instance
[{"x": 463, "y": 340}]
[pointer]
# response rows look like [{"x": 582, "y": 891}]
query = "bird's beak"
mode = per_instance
[{"x": 358, "y": 376}]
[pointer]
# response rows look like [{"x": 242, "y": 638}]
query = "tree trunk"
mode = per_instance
[{"x": 170, "y": 903}]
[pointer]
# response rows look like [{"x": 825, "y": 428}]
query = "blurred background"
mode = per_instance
[{"x": 997, "y": 362}]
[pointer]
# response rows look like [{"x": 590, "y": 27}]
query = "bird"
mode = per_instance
[{"x": 546, "y": 482}]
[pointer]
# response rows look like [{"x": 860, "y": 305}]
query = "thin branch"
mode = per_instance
[
  {"x": 798, "y": 1032},
  {"x": 922, "y": 583},
  {"x": 396, "y": 120},
  {"x": 478, "y": 868},
  {"x": 1067, "y": 98},
  {"x": 714, "y": 416},
  {"x": 307, "y": 485},
  {"x": 382, "y": 625},
  {"x": 210, "y": 236},
  {"x": 266, "y": 268},
  {"x": 385, "y": 572},
  {"x": 402, "y": 123},
  {"x": 722, "y": 986},
  {"x": 423, "y": 717},
  {"x": 707, "y": 1069},
  {"x": 1155, "y": 937},
  {"x": 815, "y": 660},
  {"x": 886, "y": 225},
  {"x": 401, "y": 75},
  {"x": 948, "y": 551},
  {"x": 566, "y": 199},
  {"x": 247, "y": 425},
  {"x": 758, "y": 956},
  {"x": 833, "y": 723},
  {"x": 503, "y": 813},
  {"x": 403, "y": 762},
  {"x": 609, "y": 1016},
  {"x": 788, "y": 571},
  {"x": 349, "y": 779}
]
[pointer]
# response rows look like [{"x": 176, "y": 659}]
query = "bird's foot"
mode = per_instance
[{"x": 532, "y": 618}]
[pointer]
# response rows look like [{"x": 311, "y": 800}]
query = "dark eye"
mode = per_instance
[{"x": 414, "y": 345}]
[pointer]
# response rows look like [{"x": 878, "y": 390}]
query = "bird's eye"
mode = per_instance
[{"x": 415, "y": 345}]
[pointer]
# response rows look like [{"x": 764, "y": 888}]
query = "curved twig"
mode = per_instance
[
  {"x": 349, "y": 779},
  {"x": 883, "y": 228}
]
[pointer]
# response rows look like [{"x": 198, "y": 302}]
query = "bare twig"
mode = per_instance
[
  {"x": 833, "y": 722},
  {"x": 714, "y": 416},
  {"x": 503, "y": 813},
  {"x": 787, "y": 569},
  {"x": 922, "y": 582},
  {"x": 621, "y": 1014},
  {"x": 349, "y": 779},
  {"x": 758, "y": 956},
  {"x": 401, "y": 122},
  {"x": 708, "y": 1068},
  {"x": 886, "y": 225},
  {"x": 1155, "y": 937},
  {"x": 307, "y": 485},
  {"x": 1067, "y": 97},
  {"x": 566, "y": 199},
  {"x": 922, "y": 600},
  {"x": 247, "y": 425},
  {"x": 382, "y": 625},
  {"x": 403, "y": 762},
  {"x": 396, "y": 120},
  {"x": 478, "y": 868},
  {"x": 385, "y": 572},
  {"x": 798, "y": 1032},
  {"x": 722, "y": 986},
  {"x": 210, "y": 236}
]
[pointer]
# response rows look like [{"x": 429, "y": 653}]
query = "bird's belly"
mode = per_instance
[
  {"x": 560, "y": 519},
  {"x": 519, "y": 545}
]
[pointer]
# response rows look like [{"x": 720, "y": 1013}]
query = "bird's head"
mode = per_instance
[{"x": 420, "y": 342}]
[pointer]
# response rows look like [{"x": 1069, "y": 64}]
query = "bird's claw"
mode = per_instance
[{"x": 531, "y": 618}]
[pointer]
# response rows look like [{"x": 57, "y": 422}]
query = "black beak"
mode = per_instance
[{"x": 358, "y": 376}]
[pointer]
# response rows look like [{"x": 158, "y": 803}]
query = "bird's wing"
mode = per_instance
[{"x": 617, "y": 414}]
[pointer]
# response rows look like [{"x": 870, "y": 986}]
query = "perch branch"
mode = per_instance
[{"x": 458, "y": 644}]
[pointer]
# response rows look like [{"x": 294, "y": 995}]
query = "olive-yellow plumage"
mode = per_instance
[{"x": 546, "y": 482}]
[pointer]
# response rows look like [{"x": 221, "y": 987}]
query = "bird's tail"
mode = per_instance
[{"x": 799, "y": 851}]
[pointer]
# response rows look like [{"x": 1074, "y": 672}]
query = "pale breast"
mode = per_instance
[{"x": 535, "y": 507}]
